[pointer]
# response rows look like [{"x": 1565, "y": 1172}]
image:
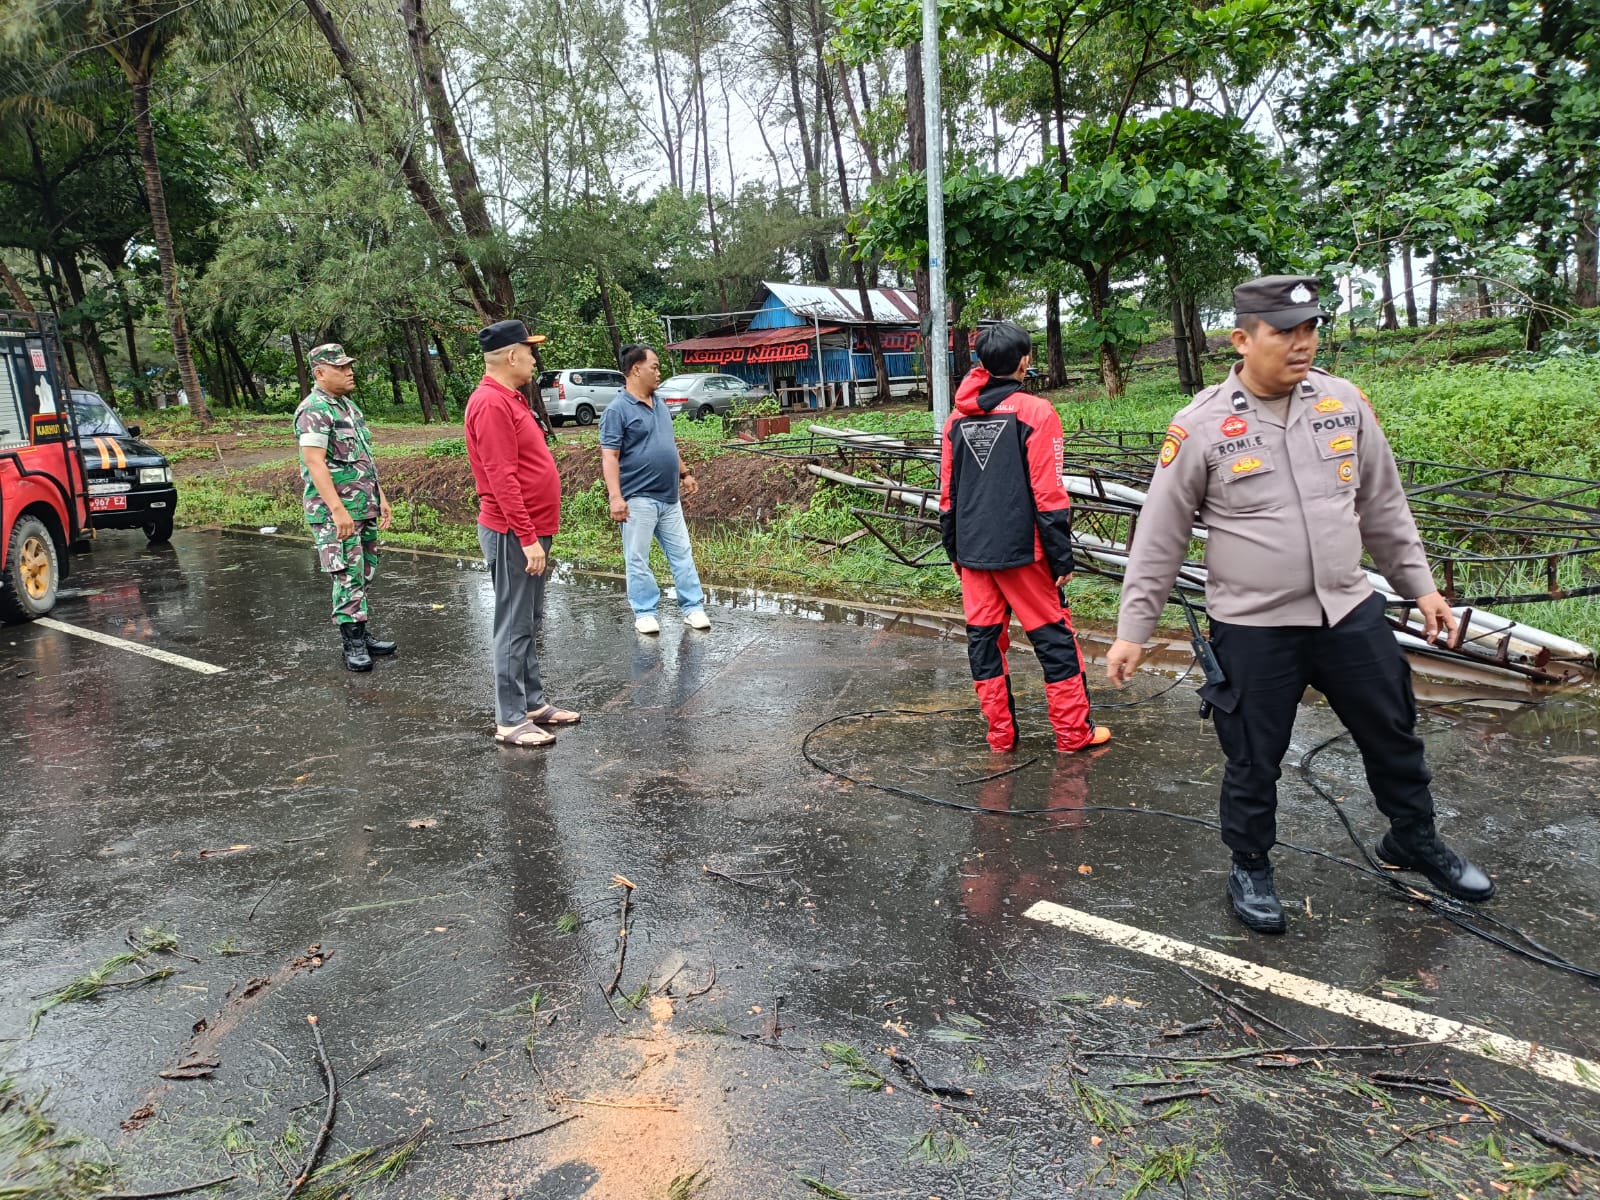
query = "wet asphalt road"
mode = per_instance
[{"x": 356, "y": 847}]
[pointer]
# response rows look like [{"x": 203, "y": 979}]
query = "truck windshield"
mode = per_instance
[{"x": 94, "y": 418}]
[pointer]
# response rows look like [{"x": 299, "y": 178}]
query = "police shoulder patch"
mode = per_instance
[{"x": 1169, "y": 450}]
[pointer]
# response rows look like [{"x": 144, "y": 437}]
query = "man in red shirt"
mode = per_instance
[
  {"x": 1005, "y": 520},
  {"x": 519, "y": 511}
]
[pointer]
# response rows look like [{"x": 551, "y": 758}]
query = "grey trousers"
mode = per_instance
[{"x": 518, "y": 614}]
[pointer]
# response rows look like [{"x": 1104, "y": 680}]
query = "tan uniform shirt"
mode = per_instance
[{"x": 1288, "y": 505}]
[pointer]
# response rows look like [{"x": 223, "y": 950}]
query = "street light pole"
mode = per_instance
[{"x": 933, "y": 121}]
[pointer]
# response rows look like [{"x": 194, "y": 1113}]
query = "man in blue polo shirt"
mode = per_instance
[{"x": 644, "y": 474}]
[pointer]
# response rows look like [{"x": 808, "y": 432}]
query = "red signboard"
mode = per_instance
[
  {"x": 715, "y": 357},
  {"x": 892, "y": 343},
  {"x": 780, "y": 353}
]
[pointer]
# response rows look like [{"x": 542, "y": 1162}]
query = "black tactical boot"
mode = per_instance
[
  {"x": 374, "y": 646},
  {"x": 355, "y": 647},
  {"x": 1255, "y": 900},
  {"x": 1422, "y": 850}
]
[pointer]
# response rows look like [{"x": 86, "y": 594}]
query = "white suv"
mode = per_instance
[{"x": 578, "y": 395}]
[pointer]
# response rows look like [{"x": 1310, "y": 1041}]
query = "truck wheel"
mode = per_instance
[
  {"x": 32, "y": 574},
  {"x": 160, "y": 530},
  {"x": 585, "y": 415}
]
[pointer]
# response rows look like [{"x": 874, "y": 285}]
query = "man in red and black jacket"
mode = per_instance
[{"x": 1005, "y": 520}]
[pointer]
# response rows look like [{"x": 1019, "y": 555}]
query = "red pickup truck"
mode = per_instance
[{"x": 43, "y": 492}]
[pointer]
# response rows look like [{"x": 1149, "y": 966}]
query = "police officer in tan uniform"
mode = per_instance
[{"x": 1291, "y": 475}]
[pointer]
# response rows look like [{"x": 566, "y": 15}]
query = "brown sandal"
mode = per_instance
[
  {"x": 527, "y": 734},
  {"x": 551, "y": 715}
]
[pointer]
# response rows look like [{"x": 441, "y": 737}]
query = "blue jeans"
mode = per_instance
[{"x": 664, "y": 523}]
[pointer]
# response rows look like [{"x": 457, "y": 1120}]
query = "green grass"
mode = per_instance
[
  {"x": 1173, "y": 1165},
  {"x": 37, "y": 1161}
]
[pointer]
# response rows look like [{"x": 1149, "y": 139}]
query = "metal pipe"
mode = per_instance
[{"x": 933, "y": 124}]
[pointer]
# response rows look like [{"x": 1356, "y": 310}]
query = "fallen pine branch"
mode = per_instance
[
  {"x": 177, "y": 1191},
  {"x": 1171, "y": 1097},
  {"x": 1495, "y": 1110},
  {"x": 1241, "y": 1006},
  {"x": 513, "y": 1137},
  {"x": 1261, "y": 1051},
  {"x": 913, "y": 1073},
  {"x": 622, "y": 934},
  {"x": 327, "y": 1120}
]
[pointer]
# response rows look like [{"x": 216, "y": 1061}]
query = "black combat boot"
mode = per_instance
[
  {"x": 374, "y": 646},
  {"x": 1255, "y": 900},
  {"x": 1421, "y": 849},
  {"x": 355, "y": 647}
]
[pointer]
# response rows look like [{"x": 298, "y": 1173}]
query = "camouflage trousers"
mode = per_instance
[{"x": 352, "y": 562}]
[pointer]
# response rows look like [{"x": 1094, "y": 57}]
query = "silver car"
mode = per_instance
[
  {"x": 701, "y": 394},
  {"x": 579, "y": 394}
]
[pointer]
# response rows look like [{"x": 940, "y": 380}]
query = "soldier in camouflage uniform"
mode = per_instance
[{"x": 344, "y": 505}]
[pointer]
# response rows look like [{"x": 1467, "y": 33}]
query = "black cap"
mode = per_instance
[
  {"x": 502, "y": 334},
  {"x": 1282, "y": 301}
]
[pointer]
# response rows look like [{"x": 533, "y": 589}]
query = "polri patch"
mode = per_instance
[
  {"x": 1172, "y": 443},
  {"x": 1234, "y": 426},
  {"x": 1329, "y": 404}
]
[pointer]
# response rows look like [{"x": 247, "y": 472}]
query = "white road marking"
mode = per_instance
[
  {"x": 1496, "y": 1047},
  {"x": 105, "y": 639}
]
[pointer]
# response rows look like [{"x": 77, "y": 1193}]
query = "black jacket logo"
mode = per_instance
[{"x": 981, "y": 437}]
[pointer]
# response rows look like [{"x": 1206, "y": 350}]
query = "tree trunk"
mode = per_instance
[
  {"x": 458, "y": 168},
  {"x": 395, "y": 394},
  {"x": 88, "y": 334},
  {"x": 1180, "y": 339},
  {"x": 301, "y": 375},
  {"x": 703, "y": 139},
  {"x": 1111, "y": 377},
  {"x": 1586, "y": 246},
  {"x": 414, "y": 366},
  {"x": 873, "y": 170},
  {"x": 1197, "y": 341},
  {"x": 161, "y": 230},
  {"x": 1411, "y": 285},
  {"x": 245, "y": 376},
  {"x": 1055, "y": 350},
  {"x": 1433, "y": 293},
  {"x": 960, "y": 339},
  {"x": 668, "y": 145},
  {"x": 611, "y": 316},
  {"x": 445, "y": 364},
  {"x": 1485, "y": 306},
  {"x": 933, "y": 357},
  {"x": 18, "y": 296},
  {"x": 791, "y": 54},
  {"x": 1386, "y": 293},
  {"x": 880, "y": 366},
  {"x": 402, "y": 152},
  {"x": 129, "y": 337}
]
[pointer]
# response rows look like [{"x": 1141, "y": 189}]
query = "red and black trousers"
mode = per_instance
[{"x": 989, "y": 598}]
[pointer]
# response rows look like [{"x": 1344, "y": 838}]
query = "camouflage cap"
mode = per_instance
[
  {"x": 1282, "y": 301},
  {"x": 329, "y": 354}
]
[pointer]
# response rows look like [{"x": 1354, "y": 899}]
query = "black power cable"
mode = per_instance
[{"x": 1471, "y": 920}]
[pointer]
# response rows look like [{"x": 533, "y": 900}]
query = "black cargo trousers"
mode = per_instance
[{"x": 1360, "y": 668}]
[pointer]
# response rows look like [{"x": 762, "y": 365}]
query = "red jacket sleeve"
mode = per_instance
[
  {"x": 1052, "y": 508},
  {"x": 947, "y": 516}
]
